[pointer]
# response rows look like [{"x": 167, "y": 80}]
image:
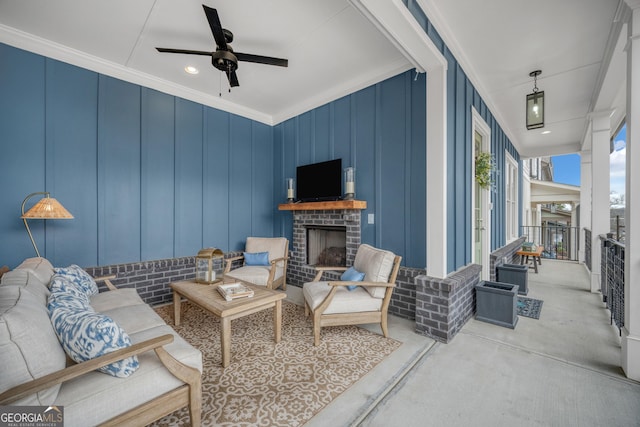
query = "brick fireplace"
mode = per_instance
[{"x": 339, "y": 216}]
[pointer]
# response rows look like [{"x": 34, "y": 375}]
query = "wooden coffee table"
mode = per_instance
[{"x": 208, "y": 297}]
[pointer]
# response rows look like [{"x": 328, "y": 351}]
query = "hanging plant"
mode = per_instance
[{"x": 484, "y": 169}]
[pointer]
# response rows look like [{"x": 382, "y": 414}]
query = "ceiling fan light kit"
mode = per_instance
[
  {"x": 535, "y": 104},
  {"x": 224, "y": 58}
]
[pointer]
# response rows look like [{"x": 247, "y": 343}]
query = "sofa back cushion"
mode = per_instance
[
  {"x": 27, "y": 280},
  {"x": 376, "y": 264},
  {"x": 29, "y": 347},
  {"x": 40, "y": 268}
]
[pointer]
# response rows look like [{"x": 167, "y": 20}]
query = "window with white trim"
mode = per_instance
[{"x": 511, "y": 197}]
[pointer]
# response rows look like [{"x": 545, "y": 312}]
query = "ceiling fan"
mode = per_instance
[{"x": 224, "y": 58}]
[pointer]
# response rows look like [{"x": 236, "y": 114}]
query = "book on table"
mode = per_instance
[{"x": 231, "y": 291}]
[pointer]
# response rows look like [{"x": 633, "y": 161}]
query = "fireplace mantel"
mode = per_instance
[{"x": 323, "y": 206}]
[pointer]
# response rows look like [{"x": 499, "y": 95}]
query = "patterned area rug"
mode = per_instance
[
  {"x": 529, "y": 307},
  {"x": 269, "y": 384}
]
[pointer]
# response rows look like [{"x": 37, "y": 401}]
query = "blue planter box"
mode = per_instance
[
  {"x": 515, "y": 274},
  {"x": 497, "y": 303}
]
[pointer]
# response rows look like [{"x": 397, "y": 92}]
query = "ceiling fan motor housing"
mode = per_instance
[{"x": 224, "y": 60}]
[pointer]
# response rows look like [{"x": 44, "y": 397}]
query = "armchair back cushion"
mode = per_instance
[
  {"x": 376, "y": 264},
  {"x": 276, "y": 246}
]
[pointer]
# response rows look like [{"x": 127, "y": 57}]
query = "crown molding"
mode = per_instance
[{"x": 49, "y": 49}]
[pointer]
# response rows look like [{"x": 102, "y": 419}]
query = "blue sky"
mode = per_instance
[{"x": 566, "y": 168}]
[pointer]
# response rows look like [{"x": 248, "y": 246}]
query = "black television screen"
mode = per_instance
[{"x": 319, "y": 181}]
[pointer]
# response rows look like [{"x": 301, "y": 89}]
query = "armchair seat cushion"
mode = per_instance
[
  {"x": 256, "y": 274},
  {"x": 344, "y": 301}
]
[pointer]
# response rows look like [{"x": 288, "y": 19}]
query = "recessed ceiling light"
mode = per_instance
[
  {"x": 546, "y": 132},
  {"x": 191, "y": 69}
]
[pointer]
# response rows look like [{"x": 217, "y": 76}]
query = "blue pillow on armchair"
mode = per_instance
[
  {"x": 256, "y": 258},
  {"x": 352, "y": 275}
]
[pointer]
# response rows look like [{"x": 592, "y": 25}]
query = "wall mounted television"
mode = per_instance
[{"x": 319, "y": 181}]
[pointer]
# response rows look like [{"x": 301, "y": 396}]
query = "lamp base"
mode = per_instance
[{"x": 349, "y": 196}]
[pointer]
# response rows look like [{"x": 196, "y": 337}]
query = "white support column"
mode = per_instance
[
  {"x": 573, "y": 235},
  {"x": 600, "y": 150},
  {"x": 437, "y": 172},
  {"x": 631, "y": 330},
  {"x": 585, "y": 199}
]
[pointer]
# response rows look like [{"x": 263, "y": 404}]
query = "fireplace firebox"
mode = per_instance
[{"x": 326, "y": 246}]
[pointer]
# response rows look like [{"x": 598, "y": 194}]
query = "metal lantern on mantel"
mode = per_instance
[{"x": 205, "y": 272}]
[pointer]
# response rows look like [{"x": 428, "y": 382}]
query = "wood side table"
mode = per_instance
[{"x": 209, "y": 299}]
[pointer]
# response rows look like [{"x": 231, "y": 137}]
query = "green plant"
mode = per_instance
[{"x": 484, "y": 168}]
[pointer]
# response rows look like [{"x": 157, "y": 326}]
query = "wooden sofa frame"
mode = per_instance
[{"x": 189, "y": 394}]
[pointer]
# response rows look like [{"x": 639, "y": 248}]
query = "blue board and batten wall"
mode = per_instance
[
  {"x": 380, "y": 131},
  {"x": 146, "y": 175},
  {"x": 151, "y": 176},
  {"x": 461, "y": 96}
]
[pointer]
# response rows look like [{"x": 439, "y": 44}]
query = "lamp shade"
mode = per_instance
[{"x": 47, "y": 208}]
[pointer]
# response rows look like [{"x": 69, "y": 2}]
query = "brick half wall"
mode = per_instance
[
  {"x": 443, "y": 306},
  {"x": 505, "y": 255},
  {"x": 151, "y": 278}
]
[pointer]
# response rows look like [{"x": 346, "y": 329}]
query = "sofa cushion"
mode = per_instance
[
  {"x": 40, "y": 268},
  {"x": 344, "y": 301},
  {"x": 29, "y": 348},
  {"x": 123, "y": 297},
  {"x": 376, "y": 264},
  {"x": 94, "y": 398},
  {"x": 85, "y": 335},
  {"x": 26, "y": 279},
  {"x": 134, "y": 318},
  {"x": 78, "y": 277}
]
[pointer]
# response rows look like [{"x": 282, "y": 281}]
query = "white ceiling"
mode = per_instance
[{"x": 334, "y": 50}]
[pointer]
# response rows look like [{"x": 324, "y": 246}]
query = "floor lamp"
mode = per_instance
[{"x": 45, "y": 208}]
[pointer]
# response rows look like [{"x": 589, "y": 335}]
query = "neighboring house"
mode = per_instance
[{"x": 550, "y": 211}]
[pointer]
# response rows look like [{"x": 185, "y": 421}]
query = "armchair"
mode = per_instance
[
  {"x": 272, "y": 273},
  {"x": 331, "y": 303}
]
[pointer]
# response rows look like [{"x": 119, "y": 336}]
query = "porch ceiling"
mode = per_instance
[{"x": 334, "y": 50}]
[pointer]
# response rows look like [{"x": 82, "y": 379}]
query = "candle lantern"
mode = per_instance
[
  {"x": 349, "y": 183},
  {"x": 290, "y": 192},
  {"x": 205, "y": 260}
]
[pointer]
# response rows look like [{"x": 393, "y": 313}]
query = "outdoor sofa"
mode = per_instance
[{"x": 35, "y": 370}]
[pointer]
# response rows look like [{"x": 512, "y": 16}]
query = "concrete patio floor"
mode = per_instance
[{"x": 560, "y": 370}]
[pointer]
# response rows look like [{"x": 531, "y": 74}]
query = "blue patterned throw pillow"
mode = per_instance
[
  {"x": 79, "y": 277},
  {"x": 85, "y": 335},
  {"x": 352, "y": 275},
  {"x": 67, "y": 293}
]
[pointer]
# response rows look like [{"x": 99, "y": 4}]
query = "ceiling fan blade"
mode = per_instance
[
  {"x": 233, "y": 79},
  {"x": 186, "y": 51},
  {"x": 216, "y": 27},
  {"x": 259, "y": 59}
]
